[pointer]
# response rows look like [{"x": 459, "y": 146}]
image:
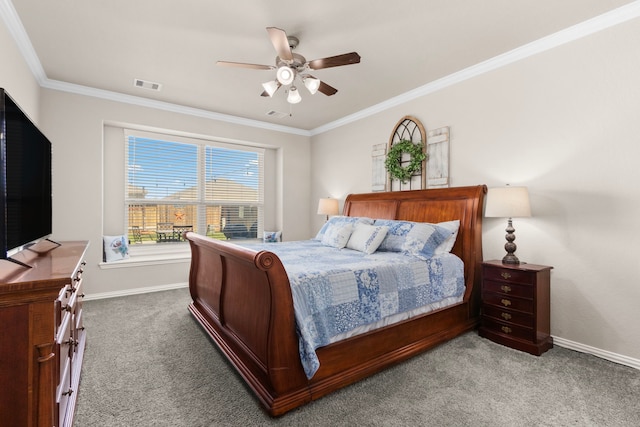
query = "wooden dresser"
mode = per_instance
[
  {"x": 42, "y": 339},
  {"x": 515, "y": 305}
]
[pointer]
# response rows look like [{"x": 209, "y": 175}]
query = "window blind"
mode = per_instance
[{"x": 178, "y": 183}]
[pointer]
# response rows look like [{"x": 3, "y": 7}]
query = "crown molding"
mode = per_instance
[
  {"x": 167, "y": 106},
  {"x": 583, "y": 29}
]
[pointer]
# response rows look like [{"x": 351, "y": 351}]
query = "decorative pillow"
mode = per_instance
[
  {"x": 414, "y": 238},
  {"x": 115, "y": 248},
  {"x": 366, "y": 238},
  {"x": 447, "y": 245},
  {"x": 271, "y": 236},
  {"x": 339, "y": 219},
  {"x": 337, "y": 235}
]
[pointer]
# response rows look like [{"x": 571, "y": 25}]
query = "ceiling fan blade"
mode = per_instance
[
  {"x": 335, "y": 61},
  {"x": 326, "y": 89},
  {"x": 280, "y": 43},
  {"x": 245, "y": 65}
]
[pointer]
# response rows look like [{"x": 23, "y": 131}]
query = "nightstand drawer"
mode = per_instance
[
  {"x": 508, "y": 329},
  {"x": 508, "y": 275},
  {"x": 518, "y": 290},
  {"x": 505, "y": 301},
  {"x": 505, "y": 315}
]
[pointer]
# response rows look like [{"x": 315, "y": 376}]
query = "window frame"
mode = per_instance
[{"x": 180, "y": 250}]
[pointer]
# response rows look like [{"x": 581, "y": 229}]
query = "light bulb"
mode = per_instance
[
  {"x": 294, "y": 96},
  {"x": 285, "y": 75},
  {"x": 271, "y": 87},
  {"x": 312, "y": 84}
]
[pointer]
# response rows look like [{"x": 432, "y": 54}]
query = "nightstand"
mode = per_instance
[{"x": 515, "y": 306}]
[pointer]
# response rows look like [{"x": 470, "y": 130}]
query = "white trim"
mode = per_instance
[
  {"x": 137, "y": 291},
  {"x": 603, "y": 354},
  {"x": 583, "y": 29},
  {"x": 166, "y": 106},
  {"x": 16, "y": 29}
]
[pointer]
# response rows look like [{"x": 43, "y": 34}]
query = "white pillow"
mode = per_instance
[
  {"x": 115, "y": 248},
  {"x": 366, "y": 238},
  {"x": 271, "y": 236},
  {"x": 337, "y": 235},
  {"x": 341, "y": 220},
  {"x": 447, "y": 245}
]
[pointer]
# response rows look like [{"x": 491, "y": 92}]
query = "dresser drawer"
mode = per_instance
[
  {"x": 508, "y": 275},
  {"x": 505, "y": 301},
  {"x": 515, "y": 289},
  {"x": 505, "y": 315},
  {"x": 509, "y": 329}
]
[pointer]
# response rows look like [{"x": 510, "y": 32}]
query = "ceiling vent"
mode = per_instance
[
  {"x": 277, "y": 114},
  {"x": 147, "y": 85}
]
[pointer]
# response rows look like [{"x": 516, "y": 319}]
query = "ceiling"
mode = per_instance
[{"x": 404, "y": 44}]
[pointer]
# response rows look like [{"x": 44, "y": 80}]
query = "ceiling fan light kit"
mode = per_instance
[
  {"x": 271, "y": 87},
  {"x": 311, "y": 83},
  {"x": 290, "y": 65},
  {"x": 294, "y": 96},
  {"x": 285, "y": 75}
]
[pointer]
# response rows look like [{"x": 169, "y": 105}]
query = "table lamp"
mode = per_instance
[
  {"x": 508, "y": 202},
  {"x": 328, "y": 207}
]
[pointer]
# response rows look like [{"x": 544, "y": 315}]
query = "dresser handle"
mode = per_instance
[
  {"x": 505, "y": 302},
  {"x": 505, "y": 275},
  {"x": 506, "y": 316},
  {"x": 505, "y": 288},
  {"x": 506, "y": 329}
]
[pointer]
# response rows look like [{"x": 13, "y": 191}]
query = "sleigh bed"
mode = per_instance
[{"x": 242, "y": 297}]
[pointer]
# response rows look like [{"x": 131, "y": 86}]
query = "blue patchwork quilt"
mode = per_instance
[{"x": 337, "y": 290}]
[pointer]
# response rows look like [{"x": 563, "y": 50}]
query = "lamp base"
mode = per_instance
[
  {"x": 510, "y": 259},
  {"x": 510, "y": 247}
]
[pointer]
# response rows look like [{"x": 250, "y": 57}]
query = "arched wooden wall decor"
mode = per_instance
[{"x": 408, "y": 128}]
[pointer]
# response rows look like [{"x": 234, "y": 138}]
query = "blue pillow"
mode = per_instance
[{"x": 414, "y": 238}]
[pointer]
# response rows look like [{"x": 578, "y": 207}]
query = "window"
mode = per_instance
[{"x": 176, "y": 184}]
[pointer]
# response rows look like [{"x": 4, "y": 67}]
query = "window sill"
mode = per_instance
[{"x": 148, "y": 256}]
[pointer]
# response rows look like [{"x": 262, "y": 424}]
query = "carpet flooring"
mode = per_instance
[{"x": 148, "y": 363}]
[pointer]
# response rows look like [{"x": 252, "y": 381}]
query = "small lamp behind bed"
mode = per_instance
[
  {"x": 508, "y": 202},
  {"x": 328, "y": 207}
]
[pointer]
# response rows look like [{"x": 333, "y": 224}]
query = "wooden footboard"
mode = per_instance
[{"x": 243, "y": 300}]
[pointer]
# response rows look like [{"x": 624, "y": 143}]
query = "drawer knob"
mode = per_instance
[
  {"x": 505, "y": 275},
  {"x": 506, "y": 329},
  {"x": 505, "y": 316},
  {"x": 505, "y": 302},
  {"x": 505, "y": 288}
]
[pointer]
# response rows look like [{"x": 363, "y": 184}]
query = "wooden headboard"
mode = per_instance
[{"x": 434, "y": 205}]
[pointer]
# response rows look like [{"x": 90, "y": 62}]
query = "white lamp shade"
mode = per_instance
[
  {"x": 294, "y": 96},
  {"x": 285, "y": 75},
  {"x": 312, "y": 84},
  {"x": 508, "y": 202},
  {"x": 271, "y": 87},
  {"x": 328, "y": 207}
]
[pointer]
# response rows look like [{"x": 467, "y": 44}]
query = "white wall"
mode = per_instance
[
  {"x": 566, "y": 124},
  {"x": 16, "y": 77},
  {"x": 75, "y": 125}
]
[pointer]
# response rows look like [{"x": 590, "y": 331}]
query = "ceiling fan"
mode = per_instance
[{"x": 290, "y": 66}]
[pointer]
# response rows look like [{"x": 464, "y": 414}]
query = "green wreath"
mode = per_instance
[{"x": 394, "y": 157}]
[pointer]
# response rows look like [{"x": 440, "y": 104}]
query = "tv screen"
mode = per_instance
[{"x": 25, "y": 180}]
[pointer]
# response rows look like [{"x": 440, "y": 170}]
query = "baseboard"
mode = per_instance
[
  {"x": 135, "y": 291},
  {"x": 603, "y": 354}
]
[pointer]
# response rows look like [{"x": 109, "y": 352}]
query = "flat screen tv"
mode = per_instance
[{"x": 25, "y": 180}]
